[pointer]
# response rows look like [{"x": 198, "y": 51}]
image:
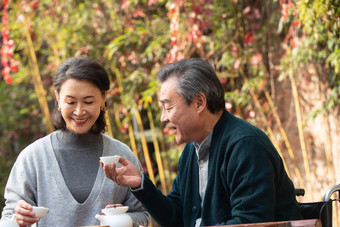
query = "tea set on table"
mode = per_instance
[{"x": 113, "y": 217}]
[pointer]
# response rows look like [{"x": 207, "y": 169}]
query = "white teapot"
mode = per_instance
[
  {"x": 115, "y": 217},
  {"x": 8, "y": 222}
]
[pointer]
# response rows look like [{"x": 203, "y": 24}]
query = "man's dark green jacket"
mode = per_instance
[{"x": 247, "y": 182}]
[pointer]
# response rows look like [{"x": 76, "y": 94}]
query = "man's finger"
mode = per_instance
[{"x": 124, "y": 161}]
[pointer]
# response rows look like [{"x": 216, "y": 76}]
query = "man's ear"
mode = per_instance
[{"x": 201, "y": 102}]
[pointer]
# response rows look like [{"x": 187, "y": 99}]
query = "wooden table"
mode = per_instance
[{"x": 298, "y": 223}]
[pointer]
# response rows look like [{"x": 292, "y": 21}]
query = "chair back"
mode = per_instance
[{"x": 318, "y": 210}]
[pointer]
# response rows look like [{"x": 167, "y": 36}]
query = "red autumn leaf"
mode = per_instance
[
  {"x": 295, "y": 42},
  {"x": 4, "y": 61},
  {"x": 223, "y": 80},
  {"x": 285, "y": 12},
  {"x": 5, "y": 19},
  {"x": 125, "y": 4},
  {"x": 124, "y": 128},
  {"x": 255, "y": 59},
  {"x": 251, "y": 114},
  {"x": 8, "y": 80},
  {"x": 151, "y": 2},
  {"x": 4, "y": 50},
  {"x": 228, "y": 106},
  {"x": 10, "y": 52},
  {"x": 237, "y": 63},
  {"x": 173, "y": 41},
  {"x": 5, "y": 71},
  {"x": 5, "y": 34},
  {"x": 10, "y": 43},
  {"x": 35, "y": 4},
  {"x": 249, "y": 38},
  {"x": 138, "y": 13},
  {"x": 14, "y": 68}
]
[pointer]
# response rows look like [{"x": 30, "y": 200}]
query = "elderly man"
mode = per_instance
[{"x": 229, "y": 171}]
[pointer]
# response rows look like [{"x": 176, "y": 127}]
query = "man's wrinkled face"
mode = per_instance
[{"x": 179, "y": 117}]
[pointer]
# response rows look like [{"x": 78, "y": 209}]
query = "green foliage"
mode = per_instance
[{"x": 320, "y": 47}]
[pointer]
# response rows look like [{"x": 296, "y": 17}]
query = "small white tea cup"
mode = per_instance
[
  {"x": 109, "y": 159},
  {"x": 40, "y": 211}
]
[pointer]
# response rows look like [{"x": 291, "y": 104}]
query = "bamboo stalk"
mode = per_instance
[
  {"x": 116, "y": 115},
  {"x": 36, "y": 78},
  {"x": 335, "y": 208},
  {"x": 108, "y": 123},
  {"x": 285, "y": 138},
  {"x": 132, "y": 137},
  {"x": 166, "y": 161},
  {"x": 158, "y": 155},
  {"x": 301, "y": 134},
  {"x": 328, "y": 154},
  {"x": 144, "y": 145},
  {"x": 121, "y": 89},
  {"x": 119, "y": 79}
]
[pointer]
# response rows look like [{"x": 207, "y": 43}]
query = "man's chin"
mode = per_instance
[{"x": 179, "y": 141}]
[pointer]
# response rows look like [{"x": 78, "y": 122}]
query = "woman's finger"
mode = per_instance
[{"x": 25, "y": 220}]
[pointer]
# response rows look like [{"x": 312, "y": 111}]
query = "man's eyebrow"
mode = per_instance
[{"x": 164, "y": 101}]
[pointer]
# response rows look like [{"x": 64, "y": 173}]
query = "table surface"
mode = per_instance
[{"x": 297, "y": 223}]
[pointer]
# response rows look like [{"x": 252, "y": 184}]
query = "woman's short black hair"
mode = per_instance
[{"x": 81, "y": 68}]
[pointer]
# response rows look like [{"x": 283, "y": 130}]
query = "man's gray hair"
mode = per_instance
[{"x": 195, "y": 76}]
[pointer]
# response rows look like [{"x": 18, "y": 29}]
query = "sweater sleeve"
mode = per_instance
[
  {"x": 166, "y": 210},
  {"x": 21, "y": 184},
  {"x": 180, "y": 207}
]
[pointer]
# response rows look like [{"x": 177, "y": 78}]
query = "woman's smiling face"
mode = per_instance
[{"x": 79, "y": 102}]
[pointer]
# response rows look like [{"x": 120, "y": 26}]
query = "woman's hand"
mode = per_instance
[
  {"x": 24, "y": 214},
  {"x": 113, "y": 205},
  {"x": 128, "y": 175}
]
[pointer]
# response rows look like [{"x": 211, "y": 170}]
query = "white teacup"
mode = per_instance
[
  {"x": 40, "y": 211},
  {"x": 109, "y": 159}
]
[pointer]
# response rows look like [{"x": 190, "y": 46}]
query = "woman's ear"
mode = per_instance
[
  {"x": 104, "y": 98},
  {"x": 57, "y": 96},
  {"x": 201, "y": 102}
]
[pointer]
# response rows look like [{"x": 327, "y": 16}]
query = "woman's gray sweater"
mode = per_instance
[{"x": 37, "y": 178}]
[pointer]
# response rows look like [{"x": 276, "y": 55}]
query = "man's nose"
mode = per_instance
[{"x": 164, "y": 117}]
